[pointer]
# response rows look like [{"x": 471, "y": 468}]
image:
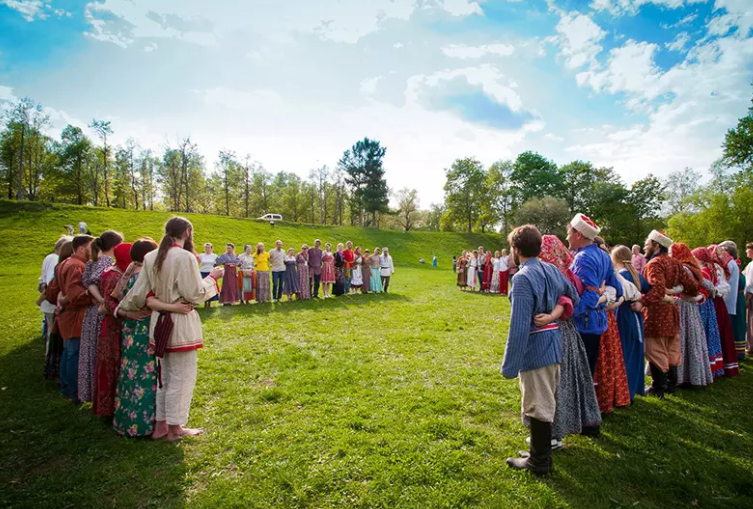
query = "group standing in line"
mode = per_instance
[
  {"x": 485, "y": 272},
  {"x": 121, "y": 326},
  {"x": 584, "y": 318},
  {"x": 299, "y": 276}
]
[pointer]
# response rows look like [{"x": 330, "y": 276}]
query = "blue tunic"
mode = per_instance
[
  {"x": 593, "y": 267},
  {"x": 537, "y": 288},
  {"x": 630, "y": 325}
]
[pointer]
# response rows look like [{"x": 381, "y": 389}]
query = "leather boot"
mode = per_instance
[
  {"x": 658, "y": 383},
  {"x": 671, "y": 380},
  {"x": 539, "y": 460}
]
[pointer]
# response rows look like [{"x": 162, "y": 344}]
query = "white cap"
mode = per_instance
[
  {"x": 661, "y": 239},
  {"x": 585, "y": 225}
]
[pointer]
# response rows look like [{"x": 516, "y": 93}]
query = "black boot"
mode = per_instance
[
  {"x": 591, "y": 431},
  {"x": 539, "y": 460},
  {"x": 672, "y": 380},
  {"x": 659, "y": 382}
]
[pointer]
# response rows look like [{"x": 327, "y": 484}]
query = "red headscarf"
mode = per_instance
[
  {"x": 721, "y": 257},
  {"x": 703, "y": 255},
  {"x": 554, "y": 251},
  {"x": 123, "y": 255},
  {"x": 682, "y": 253}
]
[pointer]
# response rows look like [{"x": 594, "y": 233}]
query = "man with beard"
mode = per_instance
[
  {"x": 72, "y": 299},
  {"x": 662, "y": 318},
  {"x": 171, "y": 274},
  {"x": 594, "y": 268},
  {"x": 315, "y": 267},
  {"x": 533, "y": 354}
]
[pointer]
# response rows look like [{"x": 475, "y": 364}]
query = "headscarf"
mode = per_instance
[
  {"x": 682, "y": 253},
  {"x": 722, "y": 258},
  {"x": 554, "y": 251},
  {"x": 703, "y": 255},
  {"x": 122, "y": 254}
]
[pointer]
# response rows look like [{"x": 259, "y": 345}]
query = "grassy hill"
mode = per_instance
[
  {"x": 37, "y": 226},
  {"x": 371, "y": 401}
]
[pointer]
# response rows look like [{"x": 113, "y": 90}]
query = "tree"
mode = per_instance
[
  {"x": 645, "y": 199},
  {"x": 75, "y": 153},
  {"x": 680, "y": 188},
  {"x": 365, "y": 176},
  {"x": 407, "y": 208},
  {"x": 498, "y": 196},
  {"x": 738, "y": 143},
  {"x": 534, "y": 176},
  {"x": 103, "y": 129},
  {"x": 189, "y": 159},
  {"x": 434, "y": 217},
  {"x": 550, "y": 214},
  {"x": 579, "y": 178},
  {"x": 320, "y": 177},
  {"x": 464, "y": 191},
  {"x": 28, "y": 118},
  {"x": 227, "y": 166}
]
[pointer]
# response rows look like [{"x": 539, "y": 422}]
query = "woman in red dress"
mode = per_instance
[
  {"x": 486, "y": 282},
  {"x": 107, "y": 369}
]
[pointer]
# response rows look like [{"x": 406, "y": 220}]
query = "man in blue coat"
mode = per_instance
[{"x": 594, "y": 268}]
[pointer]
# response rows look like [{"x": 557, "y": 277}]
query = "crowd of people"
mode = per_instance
[
  {"x": 484, "y": 271},
  {"x": 299, "y": 275},
  {"x": 585, "y": 316},
  {"x": 120, "y": 321}
]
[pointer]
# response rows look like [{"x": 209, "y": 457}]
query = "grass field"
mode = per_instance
[{"x": 370, "y": 401}]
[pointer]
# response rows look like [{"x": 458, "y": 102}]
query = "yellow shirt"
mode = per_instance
[{"x": 261, "y": 261}]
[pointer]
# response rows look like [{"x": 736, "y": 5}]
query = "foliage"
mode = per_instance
[
  {"x": 738, "y": 143},
  {"x": 551, "y": 215},
  {"x": 407, "y": 208},
  {"x": 364, "y": 172},
  {"x": 464, "y": 192}
]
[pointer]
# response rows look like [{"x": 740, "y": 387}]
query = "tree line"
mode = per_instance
[
  {"x": 88, "y": 170},
  {"x": 82, "y": 169}
]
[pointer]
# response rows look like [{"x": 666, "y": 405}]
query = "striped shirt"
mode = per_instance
[{"x": 536, "y": 289}]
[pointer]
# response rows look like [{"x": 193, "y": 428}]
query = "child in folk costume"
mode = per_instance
[
  {"x": 229, "y": 260},
  {"x": 610, "y": 376},
  {"x": 462, "y": 271},
  {"x": 356, "y": 276},
  {"x": 694, "y": 369},
  {"x": 472, "y": 270},
  {"x": 246, "y": 272},
  {"x": 630, "y": 319},
  {"x": 533, "y": 354}
]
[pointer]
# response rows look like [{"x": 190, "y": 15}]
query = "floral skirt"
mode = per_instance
[
  {"x": 136, "y": 397},
  {"x": 263, "y": 293},
  {"x": 694, "y": 368},
  {"x": 713, "y": 340},
  {"x": 577, "y": 406},
  {"x": 494, "y": 287},
  {"x": 303, "y": 281},
  {"x": 610, "y": 377}
]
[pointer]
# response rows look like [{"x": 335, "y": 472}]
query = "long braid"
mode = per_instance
[{"x": 623, "y": 255}]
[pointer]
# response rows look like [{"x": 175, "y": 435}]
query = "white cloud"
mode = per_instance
[
  {"x": 29, "y": 9},
  {"x": 630, "y": 68},
  {"x": 471, "y": 52},
  {"x": 369, "y": 85},
  {"x": 679, "y": 43},
  {"x": 632, "y": 7},
  {"x": 554, "y": 137},
  {"x": 462, "y": 7},
  {"x": 579, "y": 39}
]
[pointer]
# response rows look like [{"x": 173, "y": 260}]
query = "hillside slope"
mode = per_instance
[{"x": 36, "y": 226}]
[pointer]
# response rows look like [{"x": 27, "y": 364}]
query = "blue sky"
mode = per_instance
[{"x": 644, "y": 86}]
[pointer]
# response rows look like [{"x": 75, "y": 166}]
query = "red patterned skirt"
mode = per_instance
[{"x": 610, "y": 377}]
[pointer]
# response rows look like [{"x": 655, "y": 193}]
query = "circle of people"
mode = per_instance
[
  {"x": 344, "y": 271},
  {"x": 120, "y": 322},
  {"x": 483, "y": 271},
  {"x": 584, "y": 317}
]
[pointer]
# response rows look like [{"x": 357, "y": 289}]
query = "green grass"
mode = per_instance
[{"x": 370, "y": 401}]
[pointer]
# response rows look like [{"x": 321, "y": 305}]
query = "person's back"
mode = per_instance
[{"x": 593, "y": 267}]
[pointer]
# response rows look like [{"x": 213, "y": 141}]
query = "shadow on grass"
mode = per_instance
[
  {"x": 317, "y": 305},
  {"x": 48, "y": 458},
  {"x": 693, "y": 449}
]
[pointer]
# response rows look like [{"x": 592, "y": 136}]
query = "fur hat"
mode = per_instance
[
  {"x": 661, "y": 238},
  {"x": 585, "y": 225}
]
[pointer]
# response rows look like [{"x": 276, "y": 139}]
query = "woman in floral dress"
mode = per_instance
[
  {"x": 302, "y": 261},
  {"x": 102, "y": 259},
  {"x": 290, "y": 281},
  {"x": 136, "y": 395},
  {"x": 328, "y": 270}
]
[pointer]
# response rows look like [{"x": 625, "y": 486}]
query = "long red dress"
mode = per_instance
[
  {"x": 486, "y": 282},
  {"x": 611, "y": 378},
  {"x": 107, "y": 369}
]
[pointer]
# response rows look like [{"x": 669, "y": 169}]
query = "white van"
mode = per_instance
[{"x": 271, "y": 217}]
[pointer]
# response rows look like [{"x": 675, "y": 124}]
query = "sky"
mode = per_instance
[{"x": 643, "y": 86}]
